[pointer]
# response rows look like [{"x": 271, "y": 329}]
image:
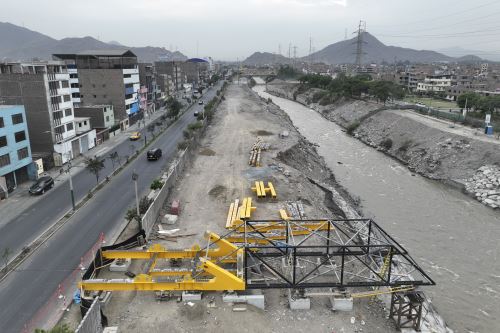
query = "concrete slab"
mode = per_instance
[
  {"x": 256, "y": 300},
  {"x": 191, "y": 296},
  {"x": 120, "y": 265},
  {"x": 342, "y": 303},
  {"x": 298, "y": 303},
  {"x": 110, "y": 329}
]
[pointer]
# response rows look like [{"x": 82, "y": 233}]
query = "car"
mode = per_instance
[
  {"x": 135, "y": 136},
  {"x": 42, "y": 184},
  {"x": 154, "y": 154},
  {"x": 200, "y": 102},
  {"x": 196, "y": 113}
]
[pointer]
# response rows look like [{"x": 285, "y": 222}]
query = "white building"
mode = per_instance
[{"x": 435, "y": 83}]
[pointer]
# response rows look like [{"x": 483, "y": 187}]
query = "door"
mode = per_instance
[{"x": 85, "y": 144}]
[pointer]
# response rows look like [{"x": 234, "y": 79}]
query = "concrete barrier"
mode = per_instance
[{"x": 91, "y": 322}]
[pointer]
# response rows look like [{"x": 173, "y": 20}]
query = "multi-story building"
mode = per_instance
[
  {"x": 171, "y": 70},
  {"x": 101, "y": 116},
  {"x": 15, "y": 151},
  {"x": 147, "y": 78},
  {"x": 435, "y": 83},
  {"x": 105, "y": 77},
  {"x": 44, "y": 90}
]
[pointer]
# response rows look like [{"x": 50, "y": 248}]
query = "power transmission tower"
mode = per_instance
[
  {"x": 359, "y": 43},
  {"x": 294, "y": 54},
  {"x": 289, "y": 50},
  {"x": 310, "y": 50}
]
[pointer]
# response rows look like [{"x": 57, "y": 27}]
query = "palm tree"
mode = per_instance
[{"x": 95, "y": 165}]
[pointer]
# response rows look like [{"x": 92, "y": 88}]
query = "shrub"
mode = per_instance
[
  {"x": 352, "y": 127},
  {"x": 187, "y": 134},
  {"x": 183, "y": 145},
  {"x": 386, "y": 143},
  {"x": 317, "y": 96},
  {"x": 195, "y": 126},
  {"x": 156, "y": 184},
  {"x": 406, "y": 144}
]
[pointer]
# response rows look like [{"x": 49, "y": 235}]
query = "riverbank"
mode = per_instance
[
  {"x": 436, "y": 223},
  {"x": 433, "y": 148}
]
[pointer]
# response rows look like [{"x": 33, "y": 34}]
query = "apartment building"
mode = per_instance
[
  {"x": 101, "y": 116},
  {"x": 15, "y": 151},
  {"x": 147, "y": 79},
  {"x": 435, "y": 83},
  {"x": 44, "y": 90},
  {"x": 170, "y": 71},
  {"x": 105, "y": 77}
]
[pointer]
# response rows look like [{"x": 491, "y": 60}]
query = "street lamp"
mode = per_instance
[{"x": 135, "y": 177}]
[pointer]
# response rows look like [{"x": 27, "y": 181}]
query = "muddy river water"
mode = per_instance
[{"x": 454, "y": 238}]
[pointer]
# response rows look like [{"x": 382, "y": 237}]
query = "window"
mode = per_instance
[
  {"x": 1, "y": 122},
  {"x": 69, "y": 126},
  {"x": 85, "y": 122},
  {"x": 4, "y": 160},
  {"x": 74, "y": 85},
  {"x": 22, "y": 153},
  {"x": 17, "y": 118},
  {"x": 79, "y": 124},
  {"x": 64, "y": 84},
  {"x": 67, "y": 98},
  {"x": 107, "y": 118},
  {"x": 20, "y": 136},
  {"x": 75, "y": 95},
  {"x": 126, "y": 76},
  {"x": 68, "y": 113},
  {"x": 3, "y": 141},
  {"x": 59, "y": 130},
  {"x": 73, "y": 76}
]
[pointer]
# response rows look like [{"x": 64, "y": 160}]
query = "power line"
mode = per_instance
[{"x": 438, "y": 17}]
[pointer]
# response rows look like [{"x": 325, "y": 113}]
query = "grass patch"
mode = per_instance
[{"x": 352, "y": 127}]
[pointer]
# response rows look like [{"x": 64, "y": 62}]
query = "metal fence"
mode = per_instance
[{"x": 91, "y": 322}]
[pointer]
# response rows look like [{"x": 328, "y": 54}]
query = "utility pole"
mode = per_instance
[
  {"x": 310, "y": 50},
  {"x": 135, "y": 177},
  {"x": 290, "y": 51},
  {"x": 71, "y": 186},
  {"x": 359, "y": 43}
]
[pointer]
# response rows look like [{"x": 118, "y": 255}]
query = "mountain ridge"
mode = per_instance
[{"x": 19, "y": 43}]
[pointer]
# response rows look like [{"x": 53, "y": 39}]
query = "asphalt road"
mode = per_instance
[{"x": 24, "y": 291}]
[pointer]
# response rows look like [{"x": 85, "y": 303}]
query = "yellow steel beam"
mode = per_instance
[
  {"x": 222, "y": 280},
  {"x": 224, "y": 248}
]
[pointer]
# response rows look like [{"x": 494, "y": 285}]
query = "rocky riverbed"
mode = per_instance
[{"x": 485, "y": 185}]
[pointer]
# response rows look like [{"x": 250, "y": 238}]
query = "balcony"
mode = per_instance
[{"x": 129, "y": 91}]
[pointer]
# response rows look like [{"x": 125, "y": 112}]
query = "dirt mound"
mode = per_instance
[
  {"x": 217, "y": 191},
  {"x": 262, "y": 133},
  {"x": 207, "y": 152}
]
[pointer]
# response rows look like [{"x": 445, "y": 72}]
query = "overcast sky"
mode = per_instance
[{"x": 231, "y": 29}]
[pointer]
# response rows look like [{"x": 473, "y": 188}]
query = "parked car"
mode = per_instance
[
  {"x": 196, "y": 113},
  {"x": 200, "y": 102},
  {"x": 135, "y": 136},
  {"x": 42, "y": 184},
  {"x": 154, "y": 154}
]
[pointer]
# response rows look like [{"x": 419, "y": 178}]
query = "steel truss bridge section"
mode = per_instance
[{"x": 334, "y": 253}]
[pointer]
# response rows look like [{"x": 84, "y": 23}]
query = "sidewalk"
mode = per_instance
[
  {"x": 449, "y": 126},
  {"x": 20, "y": 200}
]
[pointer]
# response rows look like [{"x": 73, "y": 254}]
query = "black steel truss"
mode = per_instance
[{"x": 334, "y": 253}]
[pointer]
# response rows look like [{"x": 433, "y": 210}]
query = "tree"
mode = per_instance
[
  {"x": 471, "y": 98},
  {"x": 173, "y": 106},
  {"x": 114, "y": 158},
  {"x": 95, "y": 165}
]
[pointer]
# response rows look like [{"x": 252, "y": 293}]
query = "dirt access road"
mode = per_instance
[{"x": 219, "y": 174}]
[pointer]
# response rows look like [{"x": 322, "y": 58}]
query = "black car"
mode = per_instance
[
  {"x": 42, "y": 184},
  {"x": 154, "y": 154},
  {"x": 196, "y": 113}
]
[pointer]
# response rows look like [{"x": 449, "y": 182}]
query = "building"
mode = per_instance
[
  {"x": 15, "y": 151},
  {"x": 147, "y": 78},
  {"x": 101, "y": 116},
  {"x": 44, "y": 90},
  {"x": 435, "y": 83},
  {"x": 171, "y": 73},
  {"x": 105, "y": 77}
]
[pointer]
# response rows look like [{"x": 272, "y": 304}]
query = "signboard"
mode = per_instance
[
  {"x": 39, "y": 167},
  {"x": 487, "y": 118}
]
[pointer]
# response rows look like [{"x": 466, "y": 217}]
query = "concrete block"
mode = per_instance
[
  {"x": 104, "y": 298},
  {"x": 342, "y": 303},
  {"x": 298, "y": 303},
  {"x": 110, "y": 329},
  {"x": 120, "y": 265},
  {"x": 191, "y": 296},
  {"x": 256, "y": 300}
]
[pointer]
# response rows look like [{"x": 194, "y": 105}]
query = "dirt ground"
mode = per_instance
[{"x": 220, "y": 174}]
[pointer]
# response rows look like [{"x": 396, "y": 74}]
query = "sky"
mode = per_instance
[{"x": 234, "y": 29}]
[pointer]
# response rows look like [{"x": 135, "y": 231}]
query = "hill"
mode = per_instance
[
  {"x": 265, "y": 58},
  {"x": 19, "y": 43}
]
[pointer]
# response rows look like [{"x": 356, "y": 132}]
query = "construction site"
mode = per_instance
[{"x": 255, "y": 236}]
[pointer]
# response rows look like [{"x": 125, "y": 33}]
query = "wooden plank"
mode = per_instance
[
  {"x": 284, "y": 215},
  {"x": 248, "y": 208},
  {"x": 262, "y": 189},
  {"x": 229, "y": 220},
  {"x": 271, "y": 189},
  {"x": 235, "y": 212}
]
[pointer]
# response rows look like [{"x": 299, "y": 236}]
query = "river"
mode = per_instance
[{"x": 454, "y": 238}]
